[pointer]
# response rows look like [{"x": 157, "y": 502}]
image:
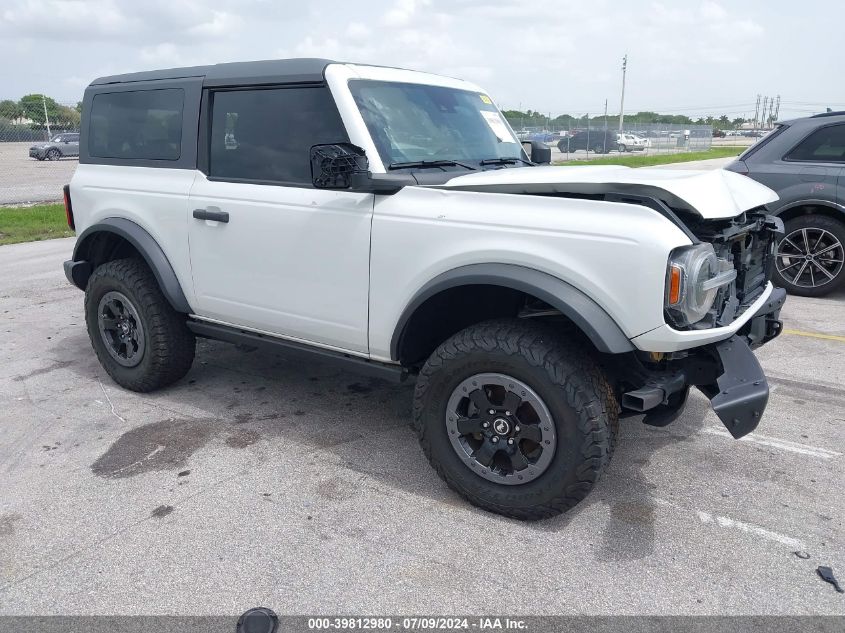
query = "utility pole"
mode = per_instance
[
  {"x": 622, "y": 101},
  {"x": 756, "y": 110},
  {"x": 46, "y": 117},
  {"x": 777, "y": 108},
  {"x": 763, "y": 112},
  {"x": 605, "y": 126}
]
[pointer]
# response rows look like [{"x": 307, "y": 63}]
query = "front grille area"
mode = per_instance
[{"x": 747, "y": 243}]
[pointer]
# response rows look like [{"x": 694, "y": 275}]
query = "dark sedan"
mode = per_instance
[{"x": 598, "y": 141}]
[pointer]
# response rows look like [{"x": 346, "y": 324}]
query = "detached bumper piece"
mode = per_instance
[
  {"x": 726, "y": 372},
  {"x": 740, "y": 394}
]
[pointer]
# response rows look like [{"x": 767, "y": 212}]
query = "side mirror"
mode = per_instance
[
  {"x": 332, "y": 166},
  {"x": 345, "y": 166},
  {"x": 538, "y": 152}
]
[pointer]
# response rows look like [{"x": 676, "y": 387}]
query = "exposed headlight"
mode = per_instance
[{"x": 693, "y": 279}]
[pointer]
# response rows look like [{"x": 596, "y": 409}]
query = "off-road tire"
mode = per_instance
[
  {"x": 813, "y": 221},
  {"x": 169, "y": 346},
  {"x": 563, "y": 373}
]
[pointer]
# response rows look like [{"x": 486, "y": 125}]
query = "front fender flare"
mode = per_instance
[
  {"x": 589, "y": 316},
  {"x": 149, "y": 249}
]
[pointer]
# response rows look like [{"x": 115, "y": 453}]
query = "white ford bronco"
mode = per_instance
[{"x": 390, "y": 220}]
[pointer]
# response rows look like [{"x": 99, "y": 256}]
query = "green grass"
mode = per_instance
[
  {"x": 30, "y": 224},
  {"x": 638, "y": 160}
]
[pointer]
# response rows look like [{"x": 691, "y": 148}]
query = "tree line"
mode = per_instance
[
  {"x": 31, "y": 108},
  {"x": 530, "y": 118}
]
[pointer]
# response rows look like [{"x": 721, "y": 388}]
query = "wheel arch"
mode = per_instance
[
  {"x": 590, "y": 318},
  {"x": 808, "y": 207},
  {"x": 112, "y": 238}
]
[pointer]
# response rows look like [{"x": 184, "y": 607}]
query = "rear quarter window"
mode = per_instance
[
  {"x": 780, "y": 129},
  {"x": 137, "y": 124}
]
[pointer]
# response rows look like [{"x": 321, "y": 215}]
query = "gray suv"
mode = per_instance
[
  {"x": 804, "y": 161},
  {"x": 61, "y": 145}
]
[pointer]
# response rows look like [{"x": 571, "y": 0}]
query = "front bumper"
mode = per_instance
[
  {"x": 667, "y": 339},
  {"x": 727, "y": 372}
]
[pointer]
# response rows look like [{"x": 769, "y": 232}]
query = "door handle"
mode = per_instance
[{"x": 206, "y": 214}]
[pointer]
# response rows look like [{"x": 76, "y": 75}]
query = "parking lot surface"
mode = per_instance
[
  {"x": 259, "y": 481},
  {"x": 24, "y": 179}
]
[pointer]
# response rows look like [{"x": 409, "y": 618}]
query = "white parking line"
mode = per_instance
[
  {"x": 727, "y": 522},
  {"x": 784, "y": 445},
  {"x": 750, "y": 528}
]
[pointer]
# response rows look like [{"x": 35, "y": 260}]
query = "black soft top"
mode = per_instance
[{"x": 234, "y": 73}]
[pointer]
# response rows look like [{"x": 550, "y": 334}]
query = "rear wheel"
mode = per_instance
[
  {"x": 515, "y": 418},
  {"x": 622, "y": 148},
  {"x": 139, "y": 339},
  {"x": 598, "y": 148},
  {"x": 810, "y": 258}
]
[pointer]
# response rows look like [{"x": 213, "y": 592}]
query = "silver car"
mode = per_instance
[{"x": 59, "y": 146}]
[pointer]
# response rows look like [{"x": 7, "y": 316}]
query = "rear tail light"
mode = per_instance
[{"x": 68, "y": 207}]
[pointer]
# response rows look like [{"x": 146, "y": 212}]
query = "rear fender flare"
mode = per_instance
[{"x": 149, "y": 249}]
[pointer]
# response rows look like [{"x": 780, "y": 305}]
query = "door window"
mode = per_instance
[
  {"x": 825, "y": 145},
  {"x": 265, "y": 135}
]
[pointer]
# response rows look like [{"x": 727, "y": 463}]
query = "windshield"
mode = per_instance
[{"x": 415, "y": 122}]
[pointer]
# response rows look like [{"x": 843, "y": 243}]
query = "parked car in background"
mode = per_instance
[
  {"x": 631, "y": 143},
  {"x": 58, "y": 147},
  {"x": 598, "y": 141},
  {"x": 544, "y": 137},
  {"x": 717, "y": 133},
  {"x": 804, "y": 161}
]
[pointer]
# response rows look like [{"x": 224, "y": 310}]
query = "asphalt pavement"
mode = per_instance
[{"x": 256, "y": 480}]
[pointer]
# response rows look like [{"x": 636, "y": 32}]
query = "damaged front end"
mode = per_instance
[{"x": 727, "y": 372}]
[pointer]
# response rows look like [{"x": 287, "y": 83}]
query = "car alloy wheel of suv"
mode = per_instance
[{"x": 811, "y": 257}]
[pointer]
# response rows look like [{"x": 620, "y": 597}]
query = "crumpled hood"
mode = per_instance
[{"x": 712, "y": 194}]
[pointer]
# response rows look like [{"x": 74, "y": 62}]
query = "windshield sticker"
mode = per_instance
[
  {"x": 494, "y": 120},
  {"x": 486, "y": 99}
]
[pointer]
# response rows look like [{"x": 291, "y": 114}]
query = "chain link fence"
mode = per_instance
[
  {"x": 39, "y": 149},
  {"x": 589, "y": 140}
]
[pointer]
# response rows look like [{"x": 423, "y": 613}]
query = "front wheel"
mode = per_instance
[
  {"x": 139, "y": 339},
  {"x": 517, "y": 419},
  {"x": 53, "y": 154},
  {"x": 598, "y": 149},
  {"x": 810, "y": 259}
]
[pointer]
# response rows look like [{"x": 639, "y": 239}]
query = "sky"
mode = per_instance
[{"x": 693, "y": 57}]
